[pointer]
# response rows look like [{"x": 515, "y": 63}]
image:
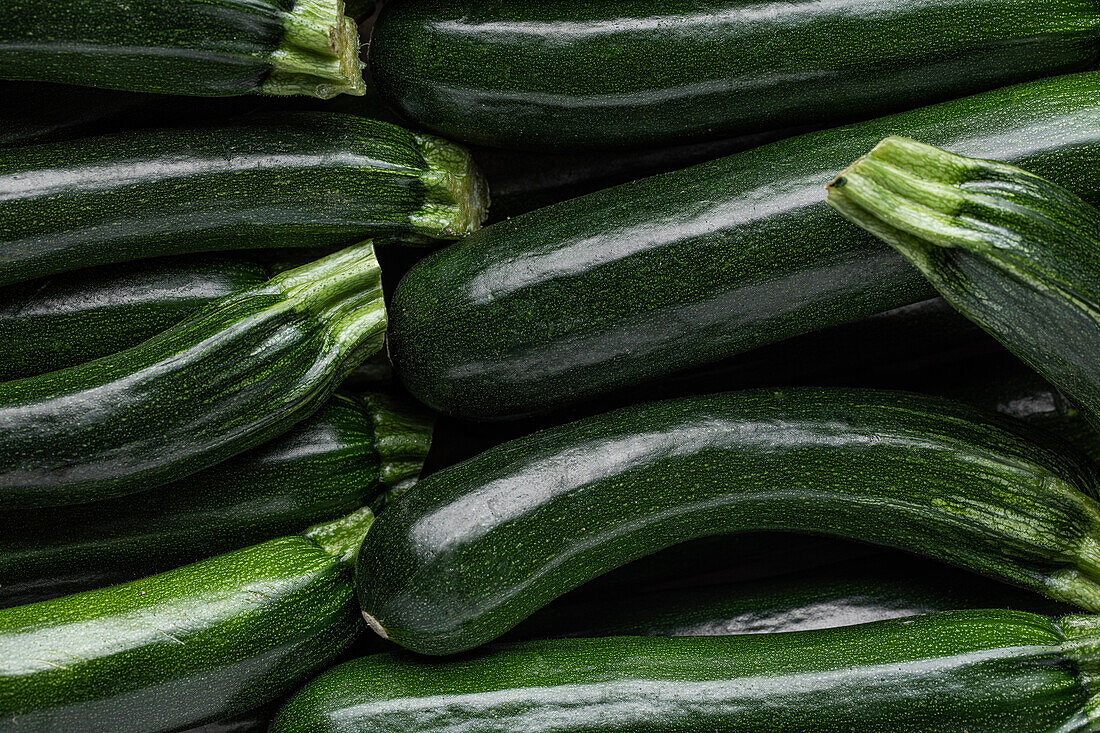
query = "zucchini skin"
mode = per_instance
[
  {"x": 287, "y": 180},
  {"x": 917, "y": 473},
  {"x": 947, "y": 673},
  {"x": 196, "y": 644},
  {"x": 639, "y": 281},
  {"x": 323, "y": 468},
  {"x": 558, "y": 76},
  {"x": 229, "y": 378},
  {"x": 877, "y": 588},
  {"x": 70, "y": 318},
  {"x": 183, "y": 47}
]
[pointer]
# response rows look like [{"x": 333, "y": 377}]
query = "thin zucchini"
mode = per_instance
[
  {"x": 236, "y": 374},
  {"x": 1015, "y": 253},
  {"x": 196, "y": 644},
  {"x": 643, "y": 280},
  {"x": 286, "y": 180},
  {"x": 480, "y": 546},
  {"x": 352, "y": 453},
  {"x": 185, "y": 47},
  {"x": 70, "y": 318},
  {"x": 955, "y": 672},
  {"x": 560, "y": 75},
  {"x": 889, "y": 585}
]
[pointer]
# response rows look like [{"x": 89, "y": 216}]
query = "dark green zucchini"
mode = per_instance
[
  {"x": 1015, "y": 253},
  {"x": 885, "y": 586},
  {"x": 558, "y": 75},
  {"x": 196, "y": 644},
  {"x": 286, "y": 180},
  {"x": 74, "y": 317},
  {"x": 478, "y": 547},
  {"x": 236, "y": 374},
  {"x": 351, "y": 453},
  {"x": 954, "y": 672},
  {"x": 640, "y": 281},
  {"x": 185, "y": 46}
]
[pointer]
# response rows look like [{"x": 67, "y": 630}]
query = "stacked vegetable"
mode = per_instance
[{"x": 213, "y": 427}]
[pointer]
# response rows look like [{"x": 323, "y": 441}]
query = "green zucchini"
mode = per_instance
[
  {"x": 196, "y": 644},
  {"x": 1015, "y": 253},
  {"x": 481, "y": 545},
  {"x": 289, "y": 180},
  {"x": 185, "y": 46},
  {"x": 238, "y": 373},
  {"x": 890, "y": 585},
  {"x": 558, "y": 75},
  {"x": 351, "y": 453},
  {"x": 67, "y": 319},
  {"x": 646, "y": 279},
  {"x": 990, "y": 670}
]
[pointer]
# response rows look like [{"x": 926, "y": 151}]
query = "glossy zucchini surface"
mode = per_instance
[
  {"x": 560, "y": 75},
  {"x": 989, "y": 670},
  {"x": 238, "y": 373},
  {"x": 478, "y": 547},
  {"x": 646, "y": 279},
  {"x": 185, "y": 47},
  {"x": 280, "y": 180}
]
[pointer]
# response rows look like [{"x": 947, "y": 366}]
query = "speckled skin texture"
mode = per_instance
[
  {"x": 639, "y": 281},
  {"x": 559, "y": 74},
  {"x": 293, "y": 179},
  {"x": 321, "y": 469},
  {"x": 229, "y": 378},
  {"x": 202, "y": 642},
  {"x": 171, "y": 46},
  {"x": 67, "y": 319},
  {"x": 480, "y": 546},
  {"x": 974, "y": 671}
]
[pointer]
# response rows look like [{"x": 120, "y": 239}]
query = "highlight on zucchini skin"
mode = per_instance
[
  {"x": 354, "y": 451},
  {"x": 982, "y": 670},
  {"x": 301, "y": 179},
  {"x": 186, "y": 47},
  {"x": 236, "y": 374},
  {"x": 480, "y": 546},
  {"x": 196, "y": 644},
  {"x": 70, "y": 318},
  {"x": 1015, "y": 253}
]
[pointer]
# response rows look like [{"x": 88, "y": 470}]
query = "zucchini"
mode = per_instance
[
  {"x": 558, "y": 75},
  {"x": 185, "y": 46},
  {"x": 990, "y": 670},
  {"x": 71, "y": 318},
  {"x": 351, "y": 453},
  {"x": 890, "y": 585},
  {"x": 196, "y": 644},
  {"x": 1017, "y": 254},
  {"x": 294, "y": 179},
  {"x": 480, "y": 546},
  {"x": 643, "y": 280},
  {"x": 238, "y": 373}
]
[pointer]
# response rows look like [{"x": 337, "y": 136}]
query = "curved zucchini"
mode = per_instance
[
  {"x": 289, "y": 180},
  {"x": 1015, "y": 253},
  {"x": 990, "y": 670},
  {"x": 238, "y": 373},
  {"x": 349, "y": 454},
  {"x": 556, "y": 75},
  {"x": 199, "y": 643},
  {"x": 480, "y": 546},
  {"x": 71, "y": 318},
  {"x": 640, "y": 281},
  {"x": 185, "y": 46},
  {"x": 891, "y": 585}
]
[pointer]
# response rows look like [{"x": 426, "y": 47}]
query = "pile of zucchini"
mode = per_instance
[{"x": 764, "y": 398}]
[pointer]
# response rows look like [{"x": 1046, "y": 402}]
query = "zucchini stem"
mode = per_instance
[
  {"x": 457, "y": 200},
  {"x": 402, "y": 438},
  {"x": 342, "y": 537},
  {"x": 319, "y": 53}
]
